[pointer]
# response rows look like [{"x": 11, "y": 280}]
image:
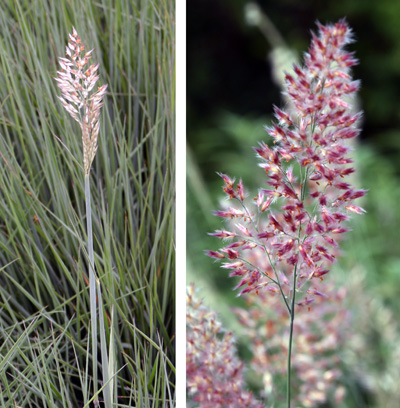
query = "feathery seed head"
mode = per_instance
[
  {"x": 76, "y": 80},
  {"x": 306, "y": 168}
]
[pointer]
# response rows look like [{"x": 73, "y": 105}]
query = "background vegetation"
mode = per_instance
[
  {"x": 44, "y": 297},
  {"x": 231, "y": 88}
]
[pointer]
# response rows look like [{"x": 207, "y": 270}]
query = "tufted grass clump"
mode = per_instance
[{"x": 46, "y": 348}]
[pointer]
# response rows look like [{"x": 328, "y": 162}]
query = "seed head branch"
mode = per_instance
[{"x": 77, "y": 79}]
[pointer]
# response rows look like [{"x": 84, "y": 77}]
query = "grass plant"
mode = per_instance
[
  {"x": 76, "y": 81},
  {"x": 44, "y": 299},
  {"x": 284, "y": 236}
]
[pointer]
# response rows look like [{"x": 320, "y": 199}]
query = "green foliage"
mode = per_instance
[{"x": 44, "y": 297}]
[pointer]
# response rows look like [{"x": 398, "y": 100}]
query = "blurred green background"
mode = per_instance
[{"x": 232, "y": 62}]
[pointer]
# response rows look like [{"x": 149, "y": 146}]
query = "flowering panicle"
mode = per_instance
[
  {"x": 76, "y": 81},
  {"x": 320, "y": 336},
  {"x": 296, "y": 221},
  {"x": 213, "y": 371}
]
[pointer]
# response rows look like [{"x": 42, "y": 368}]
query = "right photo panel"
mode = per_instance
[{"x": 293, "y": 259}]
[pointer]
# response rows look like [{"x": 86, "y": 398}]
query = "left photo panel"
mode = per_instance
[{"x": 87, "y": 204}]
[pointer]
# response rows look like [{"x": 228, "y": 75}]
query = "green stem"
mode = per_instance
[
  {"x": 92, "y": 286},
  {"x": 291, "y": 338}
]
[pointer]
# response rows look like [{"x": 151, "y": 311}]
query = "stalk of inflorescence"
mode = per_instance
[
  {"x": 293, "y": 302},
  {"x": 291, "y": 238},
  {"x": 92, "y": 282},
  {"x": 76, "y": 81}
]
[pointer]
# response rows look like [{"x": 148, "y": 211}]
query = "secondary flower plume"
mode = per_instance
[
  {"x": 214, "y": 374},
  {"x": 296, "y": 221},
  {"x": 76, "y": 81}
]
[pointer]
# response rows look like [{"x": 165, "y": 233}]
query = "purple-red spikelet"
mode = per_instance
[
  {"x": 76, "y": 81},
  {"x": 306, "y": 175},
  {"x": 214, "y": 374}
]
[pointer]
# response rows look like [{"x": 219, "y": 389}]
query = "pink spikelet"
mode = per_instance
[
  {"x": 77, "y": 80},
  {"x": 296, "y": 221},
  {"x": 214, "y": 373}
]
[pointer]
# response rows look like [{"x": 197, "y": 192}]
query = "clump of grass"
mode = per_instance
[{"x": 43, "y": 235}]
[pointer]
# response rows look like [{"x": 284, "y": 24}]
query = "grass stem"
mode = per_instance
[
  {"x": 289, "y": 362},
  {"x": 92, "y": 285}
]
